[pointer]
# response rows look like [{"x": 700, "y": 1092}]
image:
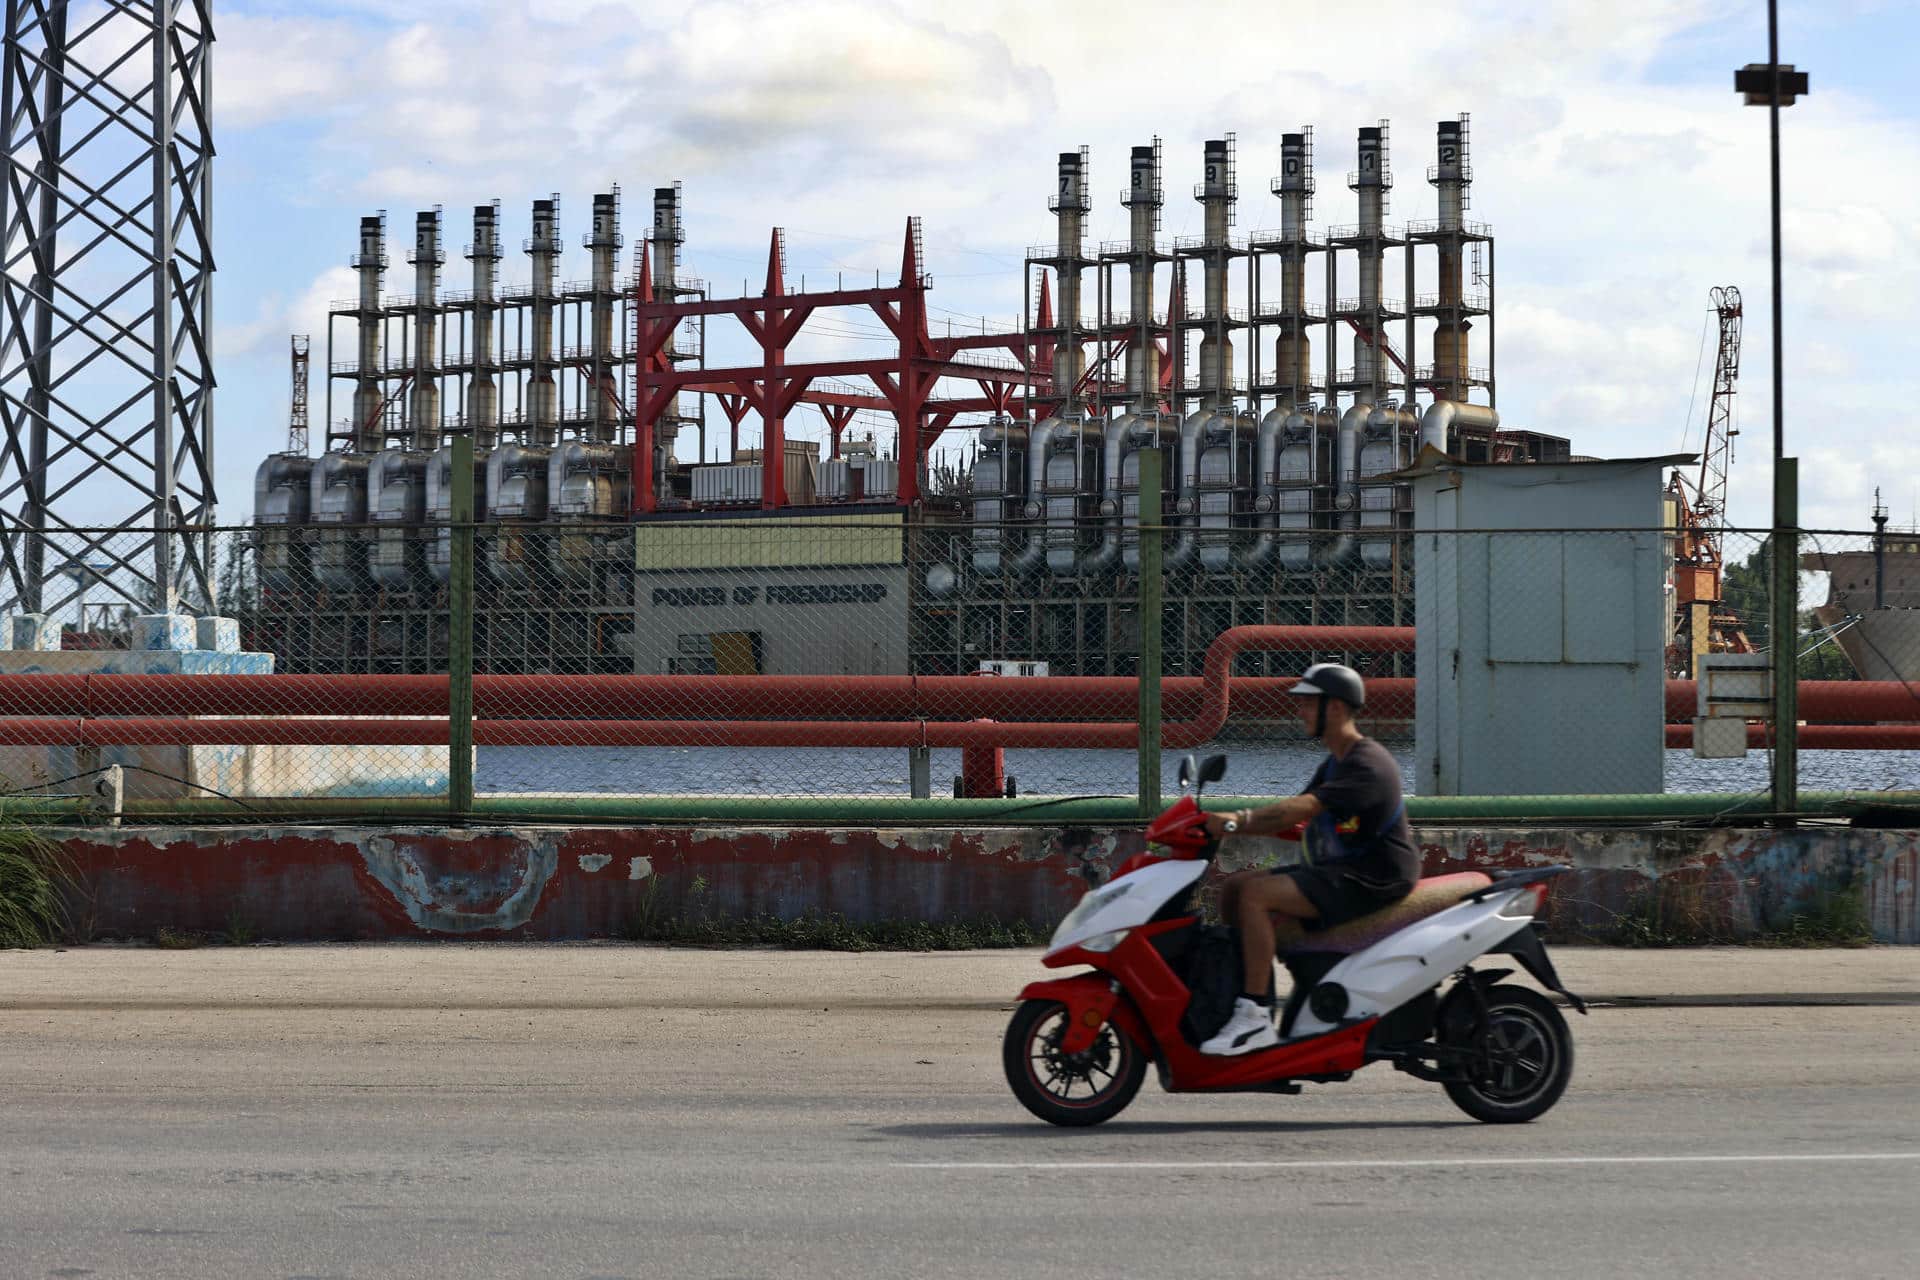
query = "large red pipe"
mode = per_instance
[
  {"x": 652, "y": 697},
  {"x": 830, "y": 711},
  {"x": 1041, "y": 698},
  {"x": 1819, "y": 737},
  {"x": 1201, "y": 723},
  {"x": 185, "y": 732}
]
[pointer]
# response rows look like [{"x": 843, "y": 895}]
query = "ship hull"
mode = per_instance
[{"x": 1884, "y": 644}]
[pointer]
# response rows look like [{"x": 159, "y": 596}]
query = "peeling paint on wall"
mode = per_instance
[
  {"x": 537, "y": 882},
  {"x": 444, "y": 889}
]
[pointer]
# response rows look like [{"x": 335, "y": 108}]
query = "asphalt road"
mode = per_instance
[{"x": 602, "y": 1111}]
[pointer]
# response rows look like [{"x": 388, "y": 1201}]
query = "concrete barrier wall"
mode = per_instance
[{"x": 555, "y": 883}]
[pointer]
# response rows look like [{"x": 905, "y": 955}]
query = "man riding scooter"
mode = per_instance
[{"x": 1360, "y": 851}]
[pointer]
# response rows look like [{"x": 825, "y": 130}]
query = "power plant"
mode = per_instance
[{"x": 1279, "y": 378}]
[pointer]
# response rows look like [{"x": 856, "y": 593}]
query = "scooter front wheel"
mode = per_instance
[{"x": 1069, "y": 1089}]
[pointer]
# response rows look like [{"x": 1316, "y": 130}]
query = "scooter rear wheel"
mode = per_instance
[
  {"x": 1069, "y": 1089},
  {"x": 1526, "y": 1054}
]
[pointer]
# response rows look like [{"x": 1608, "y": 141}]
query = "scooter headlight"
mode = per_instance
[{"x": 1104, "y": 942}]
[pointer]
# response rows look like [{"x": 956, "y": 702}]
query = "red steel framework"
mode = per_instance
[{"x": 903, "y": 382}]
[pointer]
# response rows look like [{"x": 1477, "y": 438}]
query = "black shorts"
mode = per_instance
[{"x": 1340, "y": 895}]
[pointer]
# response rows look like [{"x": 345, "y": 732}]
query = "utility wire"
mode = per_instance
[{"x": 135, "y": 768}]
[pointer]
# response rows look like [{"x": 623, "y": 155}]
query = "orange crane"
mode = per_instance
[{"x": 1701, "y": 624}]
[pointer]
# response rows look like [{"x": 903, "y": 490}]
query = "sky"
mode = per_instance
[{"x": 1620, "y": 172}]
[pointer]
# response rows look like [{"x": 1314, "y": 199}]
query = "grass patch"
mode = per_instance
[
  {"x": 239, "y": 930},
  {"x": 167, "y": 938},
  {"x": 33, "y": 875},
  {"x": 696, "y": 924},
  {"x": 1830, "y": 919}
]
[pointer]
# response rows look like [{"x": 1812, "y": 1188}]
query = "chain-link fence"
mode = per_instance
[{"x": 872, "y": 654}]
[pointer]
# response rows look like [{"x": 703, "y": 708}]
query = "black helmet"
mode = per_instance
[{"x": 1331, "y": 680}]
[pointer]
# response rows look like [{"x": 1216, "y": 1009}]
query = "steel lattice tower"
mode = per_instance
[{"x": 106, "y": 379}]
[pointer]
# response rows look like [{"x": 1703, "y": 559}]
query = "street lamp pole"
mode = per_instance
[
  {"x": 1773, "y": 142},
  {"x": 1775, "y": 86}
]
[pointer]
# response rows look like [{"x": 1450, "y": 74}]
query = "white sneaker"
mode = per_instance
[{"x": 1250, "y": 1028}]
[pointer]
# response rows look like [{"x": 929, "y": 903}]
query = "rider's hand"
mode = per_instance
[{"x": 1216, "y": 824}]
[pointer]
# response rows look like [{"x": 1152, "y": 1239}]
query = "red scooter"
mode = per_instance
[{"x": 1365, "y": 991}]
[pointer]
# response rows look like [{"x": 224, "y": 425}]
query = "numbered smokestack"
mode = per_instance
[
  {"x": 1070, "y": 203},
  {"x": 544, "y": 248},
  {"x": 1217, "y": 194},
  {"x": 604, "y": 241},
  {"x": 1370, "y": 182},
  {"x": 370, "y": 264},
  {"x": 426, "y": 258},
  {"x": 1452, "y": 176},
  {"x": 669, "y": 233},
  {"x": 1143, "y": 199},
  {"x": 483, "y": 394},
  {"x": 1293, "y": 350}
]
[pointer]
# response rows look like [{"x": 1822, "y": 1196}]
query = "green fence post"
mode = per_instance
[
  {"x": 1151, "y": 594},
  {"x": 1784, "y": 638},
  {"x": 460, "y": 634}
]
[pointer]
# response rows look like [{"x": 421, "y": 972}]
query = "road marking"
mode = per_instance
[{"x": 1463, "y": 1162}]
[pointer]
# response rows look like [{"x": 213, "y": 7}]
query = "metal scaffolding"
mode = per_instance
[{"x": 106, "y": 378}]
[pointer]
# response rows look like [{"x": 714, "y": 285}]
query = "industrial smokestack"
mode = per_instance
[
  {"x": 1293, "y": 350},
  {"x": 544, "y": 248},
  {"x": 604, "y": 240},
  {"x": 1143, "y": 198},
  {"x": 426, "y": 258},
  {"x": 1452, "y": 177},
  {"x": 1070, "y": 204},
  {"x": 1371, "y": 182},
  {"x": 370, "y": 263},
  {"x": 1217, "y": 194},
  {"x": 669, "y": 233},
  {"x": 483, "y": 394}
]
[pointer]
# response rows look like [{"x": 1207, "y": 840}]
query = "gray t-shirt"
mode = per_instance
[{"x": 1364, "y": 829}]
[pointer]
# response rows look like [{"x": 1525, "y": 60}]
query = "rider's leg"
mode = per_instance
[
  {"x": 1230, "y": 892},
  {"x": 1257, "y": 901}
]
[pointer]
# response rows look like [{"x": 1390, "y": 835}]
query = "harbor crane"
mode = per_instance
[{"x": 1702, "y": 623}]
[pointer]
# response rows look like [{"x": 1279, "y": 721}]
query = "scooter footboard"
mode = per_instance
[{"x": 1091, "y": 1003}]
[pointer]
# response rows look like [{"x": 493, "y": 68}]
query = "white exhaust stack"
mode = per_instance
[
  {"x": 1371, "y": 181},
  {"x": 1293, "y": 349},
  {"x": 370, "y": 264},
  {"x": 483, "y": 394},
  {"x": 1218, "y": 194},
  {"x": 426, "y": 258},
  {"x": 669, "y": 233},
  {"x": 1452, "y": 178},
  {"x": 604, "y": 241},
  {"x": 1143, "y": 200},
  {"x": 544, "y": 248},
  {"x": 1070, "y": 204}
]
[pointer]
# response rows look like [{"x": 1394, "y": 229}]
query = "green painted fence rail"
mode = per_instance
[{"x": 868, "y": 811}]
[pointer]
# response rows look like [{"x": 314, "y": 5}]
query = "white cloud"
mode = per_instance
[{"x": 1619, "y": 200}]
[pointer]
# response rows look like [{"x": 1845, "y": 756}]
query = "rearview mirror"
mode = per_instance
[{"x": 1213, "y": 768}]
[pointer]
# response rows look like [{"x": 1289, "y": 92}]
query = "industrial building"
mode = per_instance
[{"x": 1280, "y": 378}]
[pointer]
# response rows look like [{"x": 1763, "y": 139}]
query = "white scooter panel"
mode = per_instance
[
  {"x": 1402, "y": 965},
  {"x": 1126, "y": 902}
]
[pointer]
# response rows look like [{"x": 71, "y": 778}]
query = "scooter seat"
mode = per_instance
[{"x": 1429, "y": 897}]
